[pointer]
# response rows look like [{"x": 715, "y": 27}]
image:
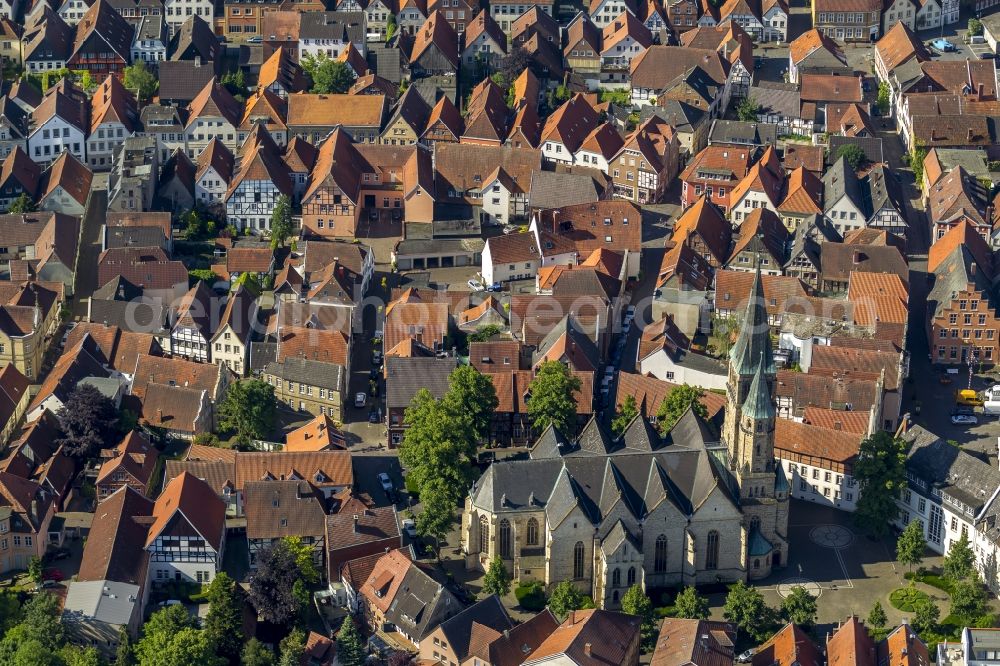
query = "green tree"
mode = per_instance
[
  {"x": 35, "y": 569},
  {"x": 234, "y": 82},
  {"x": 799, "y": 607},
  {"x": 484, "y": 333},
  {"x": 437, "y": 446},
  {"x": 256, "y": 653},
  {"x": 249, "y": 409},
  {"x": 10, "y": 611},
  {"x": 745, "y": 608},
  {"x": 437, "y": 512},
  {"x": 676, "y": 403},
  {"x": 917, "y": 155},
  {"x": 884, "y": 95},
  {"x": 291, "y": 648},
  {"x": 626, "y": 413},
  {"x": 125, "y": 654},
  {"x": 196, "y": 275},
  {"x": 138, "y": 77},
  {"x": 171, "y": 638},
  {"x": 925, "y": 615},
  {"x": 635, "y": 602},
  {"x": 747, "y": 109},
  {"x": 281, "y": 221},
  {"x": 959, "y": 562},
  {"x": 496, "y": 581},
  {"x": 350, "y": 650},
  {"x": 300, "y": 592},
  {"x": 22, "y": 204},
  {"x": 566, "y": 597},
  {"x": 272, "y": 590},
  {"x": 328, "y": 75},
  {"x": 224, "y": 623},
  {"x": 196, "y": 226},
  {"x": 910, "y": 545},
  {"x": 968, "y": 599},
  {"x": 975, "y": 27},
  {"x": 74, "y": 655},
  {"x": 304, "y": 555},
  {"x": 691, "y": 605},
  {"x": 877, "y": 619},
  {"x": 472, "y": 398},
  {"x": 880, "y": 470},
  {"x": 551, "y": 401},
  {"x": 853, "y": 155},
  {"x": 38, "y": 632},
  {"x": 391, "y": 27}
]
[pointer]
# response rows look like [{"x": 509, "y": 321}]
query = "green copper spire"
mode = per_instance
[
  {"x": 758, "y": 404},
  {"x": 753, "y": 346}
]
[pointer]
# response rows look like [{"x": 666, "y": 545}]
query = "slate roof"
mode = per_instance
[
  {"x": 841, "y": 180},
  {"x": 420, "y": 602},
  {"x": 460, "y": 630},
  {"x": 406, "y": 376},
  {"x": 183, "y": 80},
  {"x": 872, "y": 147},
  {"x": 639, "y": 469},
  {"x": 949, "y": 469}
]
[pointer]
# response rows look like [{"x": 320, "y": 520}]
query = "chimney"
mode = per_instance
[
  {"x": 356, "y": 519},
  {"x": 159, "y": 415},
  {"x": 587, "y": 652},
  {"x": 972, "y": 269},
  {"x": 197, "y": 61}
]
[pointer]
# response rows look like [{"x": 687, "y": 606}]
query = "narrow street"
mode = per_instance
[{"x": 90, "y": 248}]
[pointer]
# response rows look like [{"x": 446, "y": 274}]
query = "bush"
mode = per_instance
[
  {"x": 932, "y": 579},
  {"x": 907, "y": 599},
  {"x": 531, "y": 596}
]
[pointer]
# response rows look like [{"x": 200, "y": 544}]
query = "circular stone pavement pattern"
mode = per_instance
[
  {"x": 785, "y": 589},
  {"x": 831, "y": 536}
]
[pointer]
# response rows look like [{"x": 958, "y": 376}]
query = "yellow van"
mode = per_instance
[{"x": 968, "y": 397}]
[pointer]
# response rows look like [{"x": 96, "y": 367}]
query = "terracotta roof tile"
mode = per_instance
[
  {"x": 789, "y": 646},
  {"x": 837, "y": 419},
  {"x": 198, "y": 504}
]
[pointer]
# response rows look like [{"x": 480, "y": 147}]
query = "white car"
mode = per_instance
[
  {"x": 963, "y": 419},
  {"x": 475, "y": 285},
  {"x": 385, "y": 482},
  {"x": 360, "y": 399},
  {"x": 747, "y": 656},
  {"x": 409, "y": 528}
]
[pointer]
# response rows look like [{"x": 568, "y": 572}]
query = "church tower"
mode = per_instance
[{"x": 748, "y": 433}]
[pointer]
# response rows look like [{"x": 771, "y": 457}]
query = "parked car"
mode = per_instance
[
  {"x": 409, "y": 527},
  {"x": 360, "y": 399},
  {"x": 373, "y": 416},
  {"x": 510, "y": 229},
  {"x": 256, "y": 39},
  {"x": 52, "y": 574},
  {"x": 963, "y": 419},
  {"x": 496, "y": 286},
  {"x": 475, "y": 285},
  {"x": 942, "y": 44},
  {"x": 746, "y": 657},
  {"x": 69, "y": 329},
  {"x": 170, "y": 602},
  {"x": 987, "y": 55},
  {"x": 385, "y": 482}
]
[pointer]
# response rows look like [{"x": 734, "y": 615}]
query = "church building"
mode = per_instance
[{"x": 691, "y": 507}]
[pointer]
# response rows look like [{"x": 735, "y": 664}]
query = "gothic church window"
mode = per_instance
[
  {"x": 484, "y": 534},
  {"x": 660, "y": 554},
  {"x": 578, "y": 560},
  {"x": 712, "y": 551},
  {"x": 505, "y": 550},
  {"x": 616, "y": 578},
  {"x": 532, "y": 535},
  {"x": 631, "y": 576}
]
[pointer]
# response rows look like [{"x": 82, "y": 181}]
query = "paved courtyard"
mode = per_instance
[{"x": 845, "y": 569}]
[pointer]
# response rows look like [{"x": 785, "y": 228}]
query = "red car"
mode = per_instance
[{"x": 52, "y": 574}]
